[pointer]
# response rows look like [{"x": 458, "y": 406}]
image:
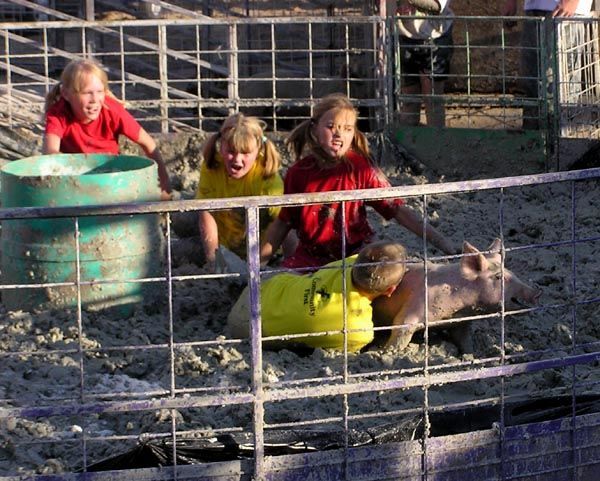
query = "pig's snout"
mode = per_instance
[
  {"x": 536, "y": 297},
  {"x": 532, "y": 295},
  {"x": 526, "y": 296}
]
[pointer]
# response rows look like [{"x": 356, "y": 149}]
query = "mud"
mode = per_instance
[{"x": 128, "y": 358}]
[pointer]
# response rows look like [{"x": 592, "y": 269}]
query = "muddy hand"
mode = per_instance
[{"x": 228, "y": 262}]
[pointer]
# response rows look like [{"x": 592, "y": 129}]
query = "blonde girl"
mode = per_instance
[
  {"x": 83, "y": 116},
  {"x": 332, "y": 154},
  {"x": 239, "y": 160}
]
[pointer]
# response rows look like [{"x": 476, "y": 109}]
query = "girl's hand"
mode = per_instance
[
  {"x": 166, "y": 195},
  {"x": 448, "y": 248},
  {"x": 210, "y": 266}
]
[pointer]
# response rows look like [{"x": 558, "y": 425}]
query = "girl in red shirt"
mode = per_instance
[
  {"x": 332, "y": 154},
  {"x": 83, "y": 116}
]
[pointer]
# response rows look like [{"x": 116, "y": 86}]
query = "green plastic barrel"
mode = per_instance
[{"x": 120, "y": 248}]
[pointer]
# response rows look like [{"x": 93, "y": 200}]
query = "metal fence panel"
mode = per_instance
[{"x": 108, "y": 396}]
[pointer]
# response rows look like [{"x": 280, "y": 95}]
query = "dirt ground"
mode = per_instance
[{"x": 128, "y": 358}]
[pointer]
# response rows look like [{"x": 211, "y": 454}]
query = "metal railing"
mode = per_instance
[
  {"x": 90, "y": 386},
  {"x": 190, "y": 74}
]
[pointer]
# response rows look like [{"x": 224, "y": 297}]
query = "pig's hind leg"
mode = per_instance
[{"x": 380, "y": 336}]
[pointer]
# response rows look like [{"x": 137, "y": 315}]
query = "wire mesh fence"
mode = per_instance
[
  {"x": 193, "y": 74},
  {"x": 578, "y": 59},
  {"x": 86, "y": 390},
  {"x": 190, "y": 74},
  {"x": 81, "y": 386}
]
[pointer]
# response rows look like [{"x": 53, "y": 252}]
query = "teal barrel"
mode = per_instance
[{"x": 120, "y": 247}]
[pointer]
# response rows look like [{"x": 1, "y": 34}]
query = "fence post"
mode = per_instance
[
  {"x": 232, "y": 85},
  {"x": 253, "y": 251},
  {"x": 163, "y": 69}
]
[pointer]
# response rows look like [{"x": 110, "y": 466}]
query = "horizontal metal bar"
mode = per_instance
[
  {"x": 225, "y": 22},
  {"x": 300, "y": 393},
  {"x": 404, "y": 191}
]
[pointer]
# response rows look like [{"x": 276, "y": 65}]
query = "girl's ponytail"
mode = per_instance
[
  {"x": 52, "y": 97},
  {"x": 272, "y": 159},
  {"x": 209, "y": 151},
  {"x": 299, "y": 138}
]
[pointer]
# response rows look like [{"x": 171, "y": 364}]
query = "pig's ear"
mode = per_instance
[
  {"x": 472, "y": 264},
  {"x": 469, "y": 248},
  {"x": 496, "y": 246}
]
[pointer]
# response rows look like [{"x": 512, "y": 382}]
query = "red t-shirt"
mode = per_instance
[
  {"x": 99, "y": 136},
  {"x": 319, "y": 225}
]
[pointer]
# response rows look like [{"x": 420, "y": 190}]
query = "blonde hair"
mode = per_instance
[
  {"x": 379, "y": 266},
  {"x": 241, "y": 132},
  {"x": 301, "y": 137},
  {"x": 73, "y": 79}
]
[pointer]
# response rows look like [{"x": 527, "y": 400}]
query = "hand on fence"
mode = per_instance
[{"x": 565, "y": 8}]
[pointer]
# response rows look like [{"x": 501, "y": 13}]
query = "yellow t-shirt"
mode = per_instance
[
  {"x": 231, "y": 223},
  {"x": 296, "y": 304}
]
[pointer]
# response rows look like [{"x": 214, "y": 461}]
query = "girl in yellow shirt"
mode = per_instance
[{"x": 238, "y": 161}]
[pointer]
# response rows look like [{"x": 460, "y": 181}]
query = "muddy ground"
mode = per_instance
[{"x": 129, "y": 358}]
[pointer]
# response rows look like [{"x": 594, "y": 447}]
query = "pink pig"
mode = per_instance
[{"x": 474, "y": 282}]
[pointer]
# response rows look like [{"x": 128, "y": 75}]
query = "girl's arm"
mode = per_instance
[
  {"x": 51, "y": 144},
  {"x": 151, "y": 150},
  {"x": 414, "y": 222},
  {"x": 289, "y": 244},
  {"x": 209, "y": 236},
  {"x": 274, "y": 236}
]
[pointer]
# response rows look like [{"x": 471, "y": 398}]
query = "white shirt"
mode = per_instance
[
  {"x": 420, "y": 28},
  {"x": 584, "y": 7}
]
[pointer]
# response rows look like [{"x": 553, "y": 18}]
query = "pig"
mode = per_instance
[{"x": 473, "y": 282}]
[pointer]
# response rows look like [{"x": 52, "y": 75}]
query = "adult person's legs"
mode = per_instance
[
  {"x": 425, "y": 65},
  {"x": 435, "y": 110},
  {"x": 410, "y": 108}
]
